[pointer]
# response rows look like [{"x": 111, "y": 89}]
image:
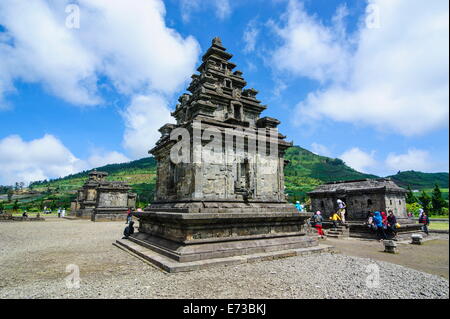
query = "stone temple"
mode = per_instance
[
  {"x": 102, "y": 200},
  {"x": 224, "y": 201},
  {"x": 361, "y": 198}
]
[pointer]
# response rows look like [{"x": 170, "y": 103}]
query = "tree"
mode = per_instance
[
  {"x": 410, "y": 198},
  {"x": 10, "y": 194},
  {"x": 436, "y": 200},
  {"x": 41, "y": 204},
  {"x": 413, "y": 208},
  {"x": 425, "y": 201},
  {"x": 15, "y": 206}
]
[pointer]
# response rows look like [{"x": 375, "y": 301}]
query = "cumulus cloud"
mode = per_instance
[
  {"x": 359, "y": 160},
  {"x": 250, "y": 36},
  {"x": 142, "y": 117},
  {"x": 222, "y": 8},
  {"x": 102, "y": 158},
  {"x": 309, "y": 48},
  {"x": 393, "y": 78},
  {"x": 320, "y": 149},
  {"x": 126, "y": 42},
  {"x": 122, "y": 45},
  {"x": 414, "y": 159},
  {"x": 44, "y": 158},
  {"x": 37, "y": 159}
]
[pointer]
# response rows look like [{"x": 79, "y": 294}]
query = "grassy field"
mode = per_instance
[
  {"x": 438, "y": 226},
  {"x": 429, "y": 191}
]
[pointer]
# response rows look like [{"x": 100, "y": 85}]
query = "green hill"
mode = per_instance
[
  {"x": 307, "y": 170},
  {"x": 419, "y": 180},
  {"x": 304, "y": 172}
]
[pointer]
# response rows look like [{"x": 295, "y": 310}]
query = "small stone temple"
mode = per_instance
[
  {"x": 102, "y": 200},
  {"x": 225, "y": 201},
  {"x": 362, "y": 197}
]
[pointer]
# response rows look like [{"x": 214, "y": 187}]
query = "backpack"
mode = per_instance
[{"x": 313, "y": 221}]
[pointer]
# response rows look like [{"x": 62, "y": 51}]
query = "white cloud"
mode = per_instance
[
  {"x": 101, "y": 158},
  {"x": 414, "y": 159},
  {"x": 142, "y": 118},
  {"x": 396, "y": 76},
  {"x": 125, "y": 45},
  {"x": 222, "y": 8},
  {"x": 250, "y": 36},
  {"x": 320, "y": 149},
  {"x": 35, "y": 160},
  {"x": 309, "y": 48},
  {"x": 359, "y": 160},
  {"x": 126, "y": 42},
  {"x": 45, "y": 158}
]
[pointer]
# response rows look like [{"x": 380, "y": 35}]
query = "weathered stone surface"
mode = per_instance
[
  {"x": 361, "y": 197},
  {"x": 390, "y": 246},
  {"x": 101, "y": 200},
  {"x": 416, "y": 239},
  {"x": 230, "y": 195}
]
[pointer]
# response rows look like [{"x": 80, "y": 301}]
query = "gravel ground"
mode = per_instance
[{"x": 34, "y": 256}]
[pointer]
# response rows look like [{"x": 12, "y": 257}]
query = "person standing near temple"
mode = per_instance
[
  {"x": 63, "y": 212},
  {"x": 298, "y": 206},
  {"x": 425, "y": 221},
  {"x": 341, "y": 210},
  {"x": 318, "y": 220}
]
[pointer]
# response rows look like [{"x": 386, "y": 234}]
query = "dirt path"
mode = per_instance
[{"x": 431, "y": 257}]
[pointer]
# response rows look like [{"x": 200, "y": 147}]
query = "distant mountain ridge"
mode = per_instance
[
  {"x": 419, "y": 180},
  {"x": 303, "y": 173}
]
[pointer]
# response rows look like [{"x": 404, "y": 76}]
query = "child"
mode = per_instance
[{"x": 335, "y": 217}]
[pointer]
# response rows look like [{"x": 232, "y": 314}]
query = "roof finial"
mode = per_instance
[{"x": 217, "y": 41}]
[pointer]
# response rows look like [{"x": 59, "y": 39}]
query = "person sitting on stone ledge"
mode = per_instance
[
  {"x": 25, "y": 214},
  {"x": 334, "y": 218},
  {"x": 129, "y": 230},
  {"x": 129, "y": 216},
  {"x": 378, "y": 221},
  {"x": 298, "y": 206},
  {"x": 392, "y": 224}
]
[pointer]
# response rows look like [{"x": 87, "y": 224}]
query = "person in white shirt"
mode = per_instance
[{"x": 341, "y": 210}]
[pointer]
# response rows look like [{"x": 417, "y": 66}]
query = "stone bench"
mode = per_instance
[{"x": 416, "y": 239}]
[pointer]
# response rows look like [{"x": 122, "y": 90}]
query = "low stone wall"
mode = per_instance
[
  {"x": 108, "y": 217},
  {"x": 361, "y": 230},
  {"x": 109, "y": 214},
  {"x": 9, "y": 218}
]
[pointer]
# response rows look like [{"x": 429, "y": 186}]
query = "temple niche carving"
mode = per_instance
[
  {"x": 226, "y": 196},
  {"x": 102, "y": 200}
]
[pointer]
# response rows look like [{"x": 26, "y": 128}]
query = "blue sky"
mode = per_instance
[{"x": 366, "y": 82}]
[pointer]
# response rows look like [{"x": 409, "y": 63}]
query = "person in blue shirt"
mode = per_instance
[
  {"x": 378, "y": 221},
  {"x": 298, "y": 206}
]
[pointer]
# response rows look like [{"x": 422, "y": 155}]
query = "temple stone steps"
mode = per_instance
[
  {"x": 340, "y": 232},
  {"x": 171, "y": 266}
]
